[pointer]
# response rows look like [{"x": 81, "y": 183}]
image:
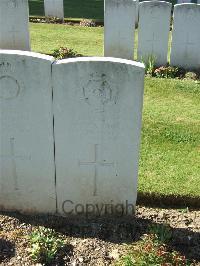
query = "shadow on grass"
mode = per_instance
[
  {"x": 7, "y": 250},
  {"x": 169, "y": 201},
  {"x": 121, "y": 230}
]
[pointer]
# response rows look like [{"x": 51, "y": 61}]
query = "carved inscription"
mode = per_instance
[
  {"x": 9, "y": 87},
  {"x": 98, "y": 91}
]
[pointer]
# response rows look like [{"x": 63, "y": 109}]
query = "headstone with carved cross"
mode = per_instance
[
  {"x": 14, "y": 28},
  {"x": 97, "y": 108},
  {"x": 54, "y": 8},
  {"x": 153, "y": 31},
  {"x": 27, "y": 174},
  {"x": 185, "y": 50},
  {"x": 119, "y": 25}
]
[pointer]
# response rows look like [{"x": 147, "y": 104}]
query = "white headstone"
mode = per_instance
[
  {"x": 54, "y": 8},
  {"x": 97, "y": 108},
  {"x": 14, "y": 28},
  {"x": 119, "y": 26},
  {"x": 153, "y": 31},
  {"x": 27, "y": 174},
  {"x": 185, "y": 50}
]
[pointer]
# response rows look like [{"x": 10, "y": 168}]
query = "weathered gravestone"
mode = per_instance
[
  {"x": 97, "y": 108},
  {"x": 119, "y": 26},
  {"x": 185, "y": 50},
  {"x": 54, "y": 8},
  {"x": 14, "y": 28},
  {"x": 153, "y": 31},
  {"x": 26, "y": 133}
]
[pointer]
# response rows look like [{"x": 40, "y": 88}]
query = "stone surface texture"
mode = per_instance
[
  {"x": 185, "y": 50},
  {"x": 14, "y": 28},
  {"x": 27, "y": 169},
  {"x": 69, "y": 133},
  {"x": 54, "y": 8},
  {"x": 183, "y": 1},
  {"x": 97, "y": 108},
  {"x": 153, "y": 31},
  {"x": 119, "y": 26}
]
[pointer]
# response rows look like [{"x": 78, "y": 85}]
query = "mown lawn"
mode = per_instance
[
  {"x": 47, "y": 37},
  {"x": 170, "y": 150}
]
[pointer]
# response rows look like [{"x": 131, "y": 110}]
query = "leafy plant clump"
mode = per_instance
[
  {"x": 167, "y": 72},
  {"x": 87, "y": 23},
  {"x": 162, "y": 233},
  {"x": 64, "y": 52},
  {"x": 153, "y": 251},
  {"x": 45, "y": 244},
  {"x": 150, "y": 65}
]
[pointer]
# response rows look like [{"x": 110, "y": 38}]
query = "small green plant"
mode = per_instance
[
  {"x": 149, "y": 252},
  {"x": 167, "y": 72},
  {"x": 127, "y": 261},
  {"x": 64, "y": 52},
  {"x": 150, "y": 65},
  {"x": 162, "y": 233},
  {"x": 45, "y": 244}
]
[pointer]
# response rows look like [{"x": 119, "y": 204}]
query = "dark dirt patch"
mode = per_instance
[
  {"x": 101, "y": 242},
  {"x": 7, "y": 249}
]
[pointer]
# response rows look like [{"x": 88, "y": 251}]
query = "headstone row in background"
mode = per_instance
[
  {"x": 120, "y": 18},
  {"x": 153, "y": 32},
  {"x": 96, "y": 109}
]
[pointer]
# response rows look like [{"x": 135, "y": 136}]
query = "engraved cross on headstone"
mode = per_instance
[
  {"x": 13, "y": 158},
  {"x": 96, "y": 164}
]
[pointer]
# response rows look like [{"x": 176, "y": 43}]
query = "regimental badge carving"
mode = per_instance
[
  {"x": 9, "y": 87},
  {"x": 99, "y": 91}
]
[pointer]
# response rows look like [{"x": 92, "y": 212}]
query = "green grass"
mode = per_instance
[
  {"x": 87, "y": 41},
  {"x": 170, "y": 150},
  {"x": 75, "y": 9}
]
